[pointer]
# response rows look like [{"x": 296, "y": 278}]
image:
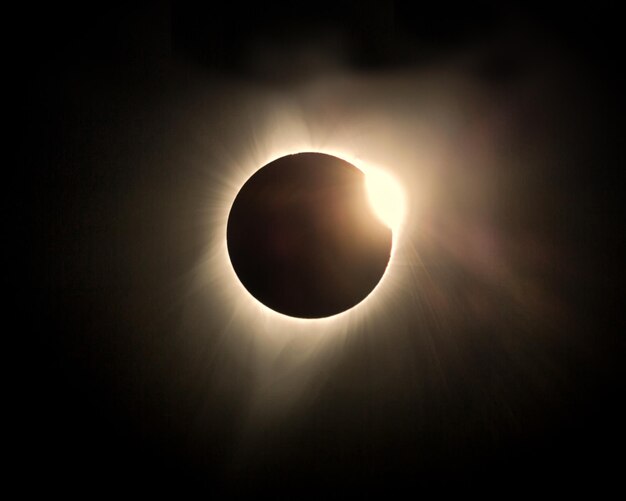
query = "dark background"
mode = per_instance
[{"x": 107, "y": 399}]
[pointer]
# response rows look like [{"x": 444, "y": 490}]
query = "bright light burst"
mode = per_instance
[{"x": 386, "y": 197}]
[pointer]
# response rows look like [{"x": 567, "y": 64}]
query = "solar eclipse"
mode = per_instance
[
  {"x": 222, "y": 289},
  {"x": 310, "y": 235}
]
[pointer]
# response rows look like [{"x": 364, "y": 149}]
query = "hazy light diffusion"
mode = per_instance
[{"x": 402, "y": 152}]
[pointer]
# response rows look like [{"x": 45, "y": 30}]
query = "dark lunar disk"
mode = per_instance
[{"x": 303, "y": 239}]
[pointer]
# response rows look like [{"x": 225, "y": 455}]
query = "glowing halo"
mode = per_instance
[{"x": 441, "y": 136}]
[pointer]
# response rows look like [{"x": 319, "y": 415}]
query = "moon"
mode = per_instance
[{"x": 307, "y": 234}]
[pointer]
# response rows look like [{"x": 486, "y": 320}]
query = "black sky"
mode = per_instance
[{"x": 110, "y": 397}]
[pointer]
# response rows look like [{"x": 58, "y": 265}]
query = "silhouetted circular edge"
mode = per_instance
[{"x": 290, "y": 202}]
